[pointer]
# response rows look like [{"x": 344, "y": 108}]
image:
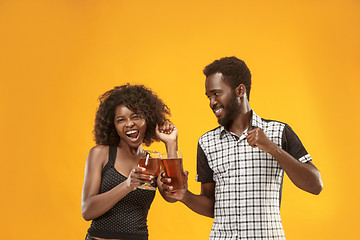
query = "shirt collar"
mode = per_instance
[{"x": 256, "y": 122}]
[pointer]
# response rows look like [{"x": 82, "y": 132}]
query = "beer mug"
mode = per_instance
[
  {"x": 149, "y": 160},
  {"x": 173, "y": 167}
]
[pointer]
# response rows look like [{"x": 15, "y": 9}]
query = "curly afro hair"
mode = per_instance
[
  {"x": 234, "y": 71},
  {"x": 138, "y": 99}
]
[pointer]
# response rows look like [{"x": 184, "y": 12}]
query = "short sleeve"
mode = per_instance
[
  {"x": 204, "y": 172},
  {"x": 292, "y": 145}
]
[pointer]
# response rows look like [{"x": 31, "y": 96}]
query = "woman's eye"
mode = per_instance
[{"x": 119, "y": 120}]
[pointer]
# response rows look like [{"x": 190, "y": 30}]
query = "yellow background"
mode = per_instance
[{"x": 57, "y": 57}]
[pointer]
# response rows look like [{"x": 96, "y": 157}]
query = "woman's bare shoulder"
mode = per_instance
[{"x": 98, "y": 154}]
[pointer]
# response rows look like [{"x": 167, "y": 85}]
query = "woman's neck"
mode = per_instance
[{"x": 130, "y": 151}]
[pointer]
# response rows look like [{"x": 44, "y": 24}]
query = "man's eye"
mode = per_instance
[{"x": 217, "y": 94}]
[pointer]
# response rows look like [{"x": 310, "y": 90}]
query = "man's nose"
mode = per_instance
[{"x": 213, "y": 102}]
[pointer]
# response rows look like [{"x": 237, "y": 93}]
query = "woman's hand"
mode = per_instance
[
  {"x": 167, "y": 133},
  {"x": 137, "y": 178}
]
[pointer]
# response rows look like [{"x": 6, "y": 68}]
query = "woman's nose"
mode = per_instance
[{"x": 130, "y": 123}]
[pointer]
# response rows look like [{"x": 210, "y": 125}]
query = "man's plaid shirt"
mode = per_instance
[{"x": 248, "y": 181}]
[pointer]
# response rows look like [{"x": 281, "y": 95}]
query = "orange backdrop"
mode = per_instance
[{"x": 57, "y": 57}]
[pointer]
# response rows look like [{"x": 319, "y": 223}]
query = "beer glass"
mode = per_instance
[
  {"x": 173, "y": 167},
  {"x": 149, "y": 160}
]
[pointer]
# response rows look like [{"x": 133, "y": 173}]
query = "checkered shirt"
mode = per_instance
[{"x": 248, "y": 181}]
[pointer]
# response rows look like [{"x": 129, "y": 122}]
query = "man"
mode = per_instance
[{"x": 241, "y": 163}]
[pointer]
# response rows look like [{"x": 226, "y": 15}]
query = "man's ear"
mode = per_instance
[{"x": 240, "y": 90}]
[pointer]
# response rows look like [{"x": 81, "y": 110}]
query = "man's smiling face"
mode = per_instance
[{"x": 222, "y": 98}]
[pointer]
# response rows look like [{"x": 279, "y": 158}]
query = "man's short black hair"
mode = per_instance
[{"x": 234, "y": 72}]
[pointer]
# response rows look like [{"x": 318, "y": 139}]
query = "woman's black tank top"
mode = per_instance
[{"x": 127, "y": 219}]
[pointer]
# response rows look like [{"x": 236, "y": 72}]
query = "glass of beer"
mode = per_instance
[
  {"x": 149, "y": 160},
  {"x": 173, "y": 167}
]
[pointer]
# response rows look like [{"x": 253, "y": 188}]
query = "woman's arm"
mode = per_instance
[
  {"x": 93, "y": 204},
  {"x": 167, "y": 134}
]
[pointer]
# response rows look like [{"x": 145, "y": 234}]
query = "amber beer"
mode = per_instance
[
  {"x": 152, "y": 167},
  {"x": 173, "y": 168},
  {"x": 151, "y": 162}
]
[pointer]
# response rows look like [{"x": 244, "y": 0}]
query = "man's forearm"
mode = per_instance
[
  {"x": 200, "y": 204},
  {"x": 303, "y": 175}
]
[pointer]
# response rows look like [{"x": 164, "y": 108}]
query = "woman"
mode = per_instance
[{"x": 127, "y": 117}]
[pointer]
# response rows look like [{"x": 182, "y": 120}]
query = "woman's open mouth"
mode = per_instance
[{"x": 133, "y": 135}]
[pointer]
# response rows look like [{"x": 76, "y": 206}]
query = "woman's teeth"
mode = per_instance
[{"x": 132, "y": 133}]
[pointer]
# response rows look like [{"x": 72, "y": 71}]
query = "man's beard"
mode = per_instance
[{"x": 232, "y": 111}]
